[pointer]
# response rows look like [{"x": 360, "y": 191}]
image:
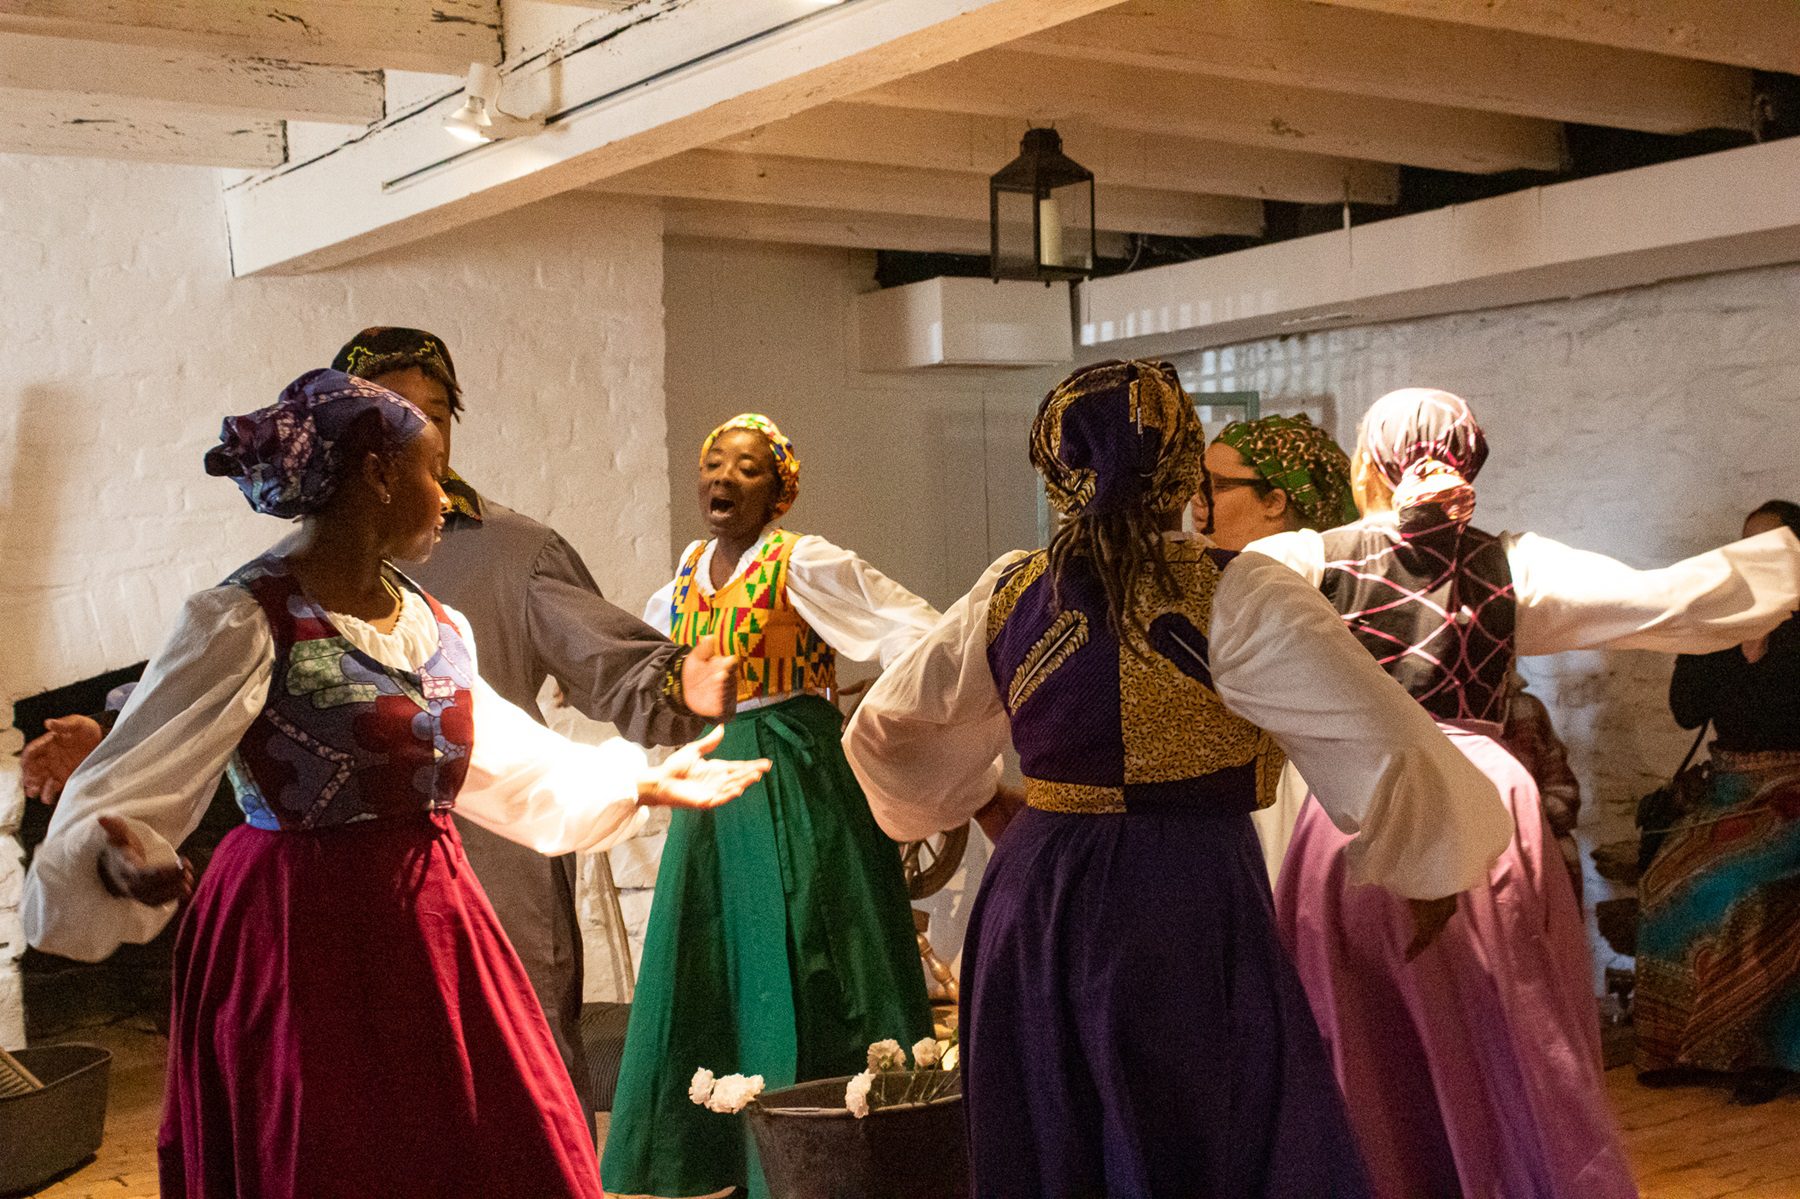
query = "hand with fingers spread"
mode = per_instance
[
  {"x": 690, "y": 779},
  {"x": 709, "y": 681},
  {"x": 46, "y": 762},
  {"x": 127, "y": 869},
  {"x": 1429, "y": 918}
]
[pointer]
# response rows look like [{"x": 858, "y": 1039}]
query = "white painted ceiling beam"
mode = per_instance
[
  {"x": 833, "y": 227},
  {"x": 900, "y": 191},
  {"x": 1015, "y": 83},
  {"x": 1747, "y": 33},
  {"x": 190, "y": 80},
  {"x": 91, "y": 127},
  {"x": 950, "y": 141},
  {"x": 1401, "y": 58},
  {"x": 657, "y": 86},
  {"x": 407, "y": 35},
  {"x": 1724, "y": 211}
]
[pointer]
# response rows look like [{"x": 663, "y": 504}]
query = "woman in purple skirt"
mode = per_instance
[{"x": 1131, "y": 1025}]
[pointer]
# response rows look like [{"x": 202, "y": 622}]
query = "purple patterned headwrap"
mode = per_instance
[
  {"x": 1116, "y": 436},
  {"x": 287, "y": 458}
]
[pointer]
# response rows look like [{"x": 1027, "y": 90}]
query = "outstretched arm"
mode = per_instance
[
  {"x": 926, "y": 741},
  {"x": 612, "y": 666},
  {"x": 1427, "y": 823},
  {"x": 151, "y": 779},
  {"x": 1576, "y": 599}
]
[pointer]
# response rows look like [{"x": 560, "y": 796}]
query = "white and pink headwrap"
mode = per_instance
[{"x": 1426, "y": 444}]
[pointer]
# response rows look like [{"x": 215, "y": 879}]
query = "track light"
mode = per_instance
[{"x": 480, "y": 118}]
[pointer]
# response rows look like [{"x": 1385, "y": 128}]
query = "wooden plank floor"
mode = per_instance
[{"x": 1685, "y": 1143}]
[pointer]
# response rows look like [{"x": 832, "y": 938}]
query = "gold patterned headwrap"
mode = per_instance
[
  {"x": 1116, "y": 436},
  {"x": 787, "y": 463}
]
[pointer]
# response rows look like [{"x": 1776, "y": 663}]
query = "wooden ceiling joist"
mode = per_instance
[
  {"x": 949, "y": 141},
  {"x": 1298, "y": 44},
  {"x": 191, "y": 80},
  {"x": 1021, "y": 85},
  {"x": 867, "y": 187},
  {"x": 1764, "y": 34},
  {"x": 442, "y": 36},
  {"x": 834, "y": 227},
  {"x": 90, "y": 127}
]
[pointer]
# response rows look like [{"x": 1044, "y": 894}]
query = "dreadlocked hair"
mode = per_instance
[{"x": 1123, "y": 549}]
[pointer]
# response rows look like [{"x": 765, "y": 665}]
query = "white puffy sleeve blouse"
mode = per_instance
[
  {"x": 161, "y": 763},
  {"x": 926, "y": 741}
]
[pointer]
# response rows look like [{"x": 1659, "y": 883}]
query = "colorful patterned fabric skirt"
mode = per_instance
[
  {"x": 1131, "y": 1024},
  {"x": 1718, "y": 966},
  {"x": 1475, "y": 1069},
  {"x": 780, "y": 943},
  {"x": 349, "y": 1021}
]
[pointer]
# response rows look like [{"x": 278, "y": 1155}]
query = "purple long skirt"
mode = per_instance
[
  {"x": 1475, "y": 1069},
  {"x": 1132, "y": 1026}
]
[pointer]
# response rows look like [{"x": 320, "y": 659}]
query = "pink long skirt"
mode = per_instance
[
  {"x": 349, "y": 1022},
  {"x": 1474, "y": 1070}
]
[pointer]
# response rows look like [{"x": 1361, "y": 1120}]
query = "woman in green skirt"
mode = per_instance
[{"x": 780, "y": 940}]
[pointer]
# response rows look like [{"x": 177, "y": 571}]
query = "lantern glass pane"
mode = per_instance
[
  {"x": 1066, "y": 231},
  {"x": 1015, "y": 213}
]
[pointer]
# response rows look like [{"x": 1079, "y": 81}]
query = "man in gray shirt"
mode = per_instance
[{"x": 536, "y": 613}]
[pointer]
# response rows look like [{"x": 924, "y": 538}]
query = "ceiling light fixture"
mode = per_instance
[{"x": 480, "y": 118}]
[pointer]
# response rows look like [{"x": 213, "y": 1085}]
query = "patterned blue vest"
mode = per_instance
[{"x": 341, "y": 737}]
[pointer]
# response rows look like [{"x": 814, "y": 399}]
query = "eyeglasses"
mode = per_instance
[{"x": 1227, "y": 482}]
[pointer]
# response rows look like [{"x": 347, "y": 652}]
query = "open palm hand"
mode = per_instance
[{"x": 690, "y": 779}]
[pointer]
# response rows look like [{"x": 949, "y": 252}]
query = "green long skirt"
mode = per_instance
[{"x": 780, "y": 943}]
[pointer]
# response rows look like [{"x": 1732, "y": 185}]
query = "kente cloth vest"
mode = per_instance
[
  {"x": 342, "y": 737},
  {"x": 1435, "y": 607},
  {"x": 778, "y": 653},
  {"x": 1100, "y": 728}
]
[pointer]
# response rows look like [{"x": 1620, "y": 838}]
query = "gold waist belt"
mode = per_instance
[{"x": 1073, "y": 797}]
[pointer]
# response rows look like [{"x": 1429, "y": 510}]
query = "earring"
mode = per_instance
[{"x": 386, "y": 498}]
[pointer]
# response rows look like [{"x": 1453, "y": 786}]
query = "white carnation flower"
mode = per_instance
[
  {"x": 887, "y": 1055},
  {"x": 701, "y": 1089},
  {"x": 856, "y": 1095},
  {"x": 734, "y": 1092},
  {"x": 925, "y": 1053}
]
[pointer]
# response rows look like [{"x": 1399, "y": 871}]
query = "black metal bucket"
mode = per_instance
[
  {"x": 56, "y": 1128},
  {"x": 811, "y": 1147}
]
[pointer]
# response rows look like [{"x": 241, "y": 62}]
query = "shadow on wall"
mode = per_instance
[{"x": 31, "y": 519}]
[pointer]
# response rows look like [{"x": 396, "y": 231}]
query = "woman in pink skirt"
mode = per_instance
[
  {"x": 348, "y": 1019},
  {"x": 1474, "y": 1070}
]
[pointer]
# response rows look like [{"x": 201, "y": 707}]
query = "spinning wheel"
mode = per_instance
[{"x": 933, "y": 862}]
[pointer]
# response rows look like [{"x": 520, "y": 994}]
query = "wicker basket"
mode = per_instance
[{"x": 56, "y": 1128}]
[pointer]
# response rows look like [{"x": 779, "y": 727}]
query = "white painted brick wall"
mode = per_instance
[{"x": 126, "y": 341}]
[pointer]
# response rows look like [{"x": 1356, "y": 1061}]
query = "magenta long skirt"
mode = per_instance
[
  {"x": 350, "y": 1022},
  {"x": 1474, "y": 1070}
]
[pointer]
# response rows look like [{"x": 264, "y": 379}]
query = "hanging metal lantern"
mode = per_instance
[{"x": 1041, "y": 213}]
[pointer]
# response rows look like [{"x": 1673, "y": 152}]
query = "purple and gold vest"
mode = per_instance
[
  {"x": 1101, "y": 728},
  {"x": 342, "y": 737}
]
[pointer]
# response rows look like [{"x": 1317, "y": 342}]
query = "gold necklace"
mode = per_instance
[{"x": 399, "y": 600}]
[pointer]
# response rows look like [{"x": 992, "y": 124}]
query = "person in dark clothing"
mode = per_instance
[{"x": 1718, "y": 979}]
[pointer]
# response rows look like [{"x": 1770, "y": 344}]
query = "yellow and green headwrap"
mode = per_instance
[
  {"x": 787, "y": 463},
  {"x": 1297, "y": 456}
]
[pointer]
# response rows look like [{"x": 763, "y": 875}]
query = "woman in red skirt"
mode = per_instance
[{"x": 348, "y": 1020}]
